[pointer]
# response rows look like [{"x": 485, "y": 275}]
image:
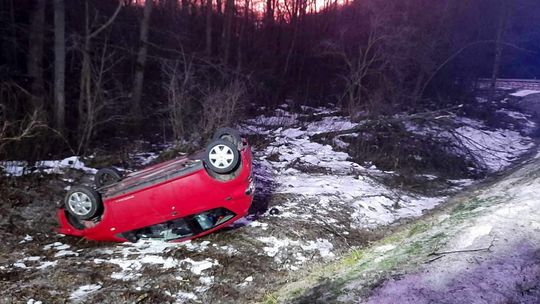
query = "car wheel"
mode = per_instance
[
  {"x": 222, "y": 156},
  {"x": 230, "y": 134},
  {"x": 106, "y": 176},
  {"x": 83, "y": 202}
]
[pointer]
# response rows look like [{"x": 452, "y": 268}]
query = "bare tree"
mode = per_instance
[
  {"x": 359, "y": 64},
  {"x": 179, "y": 88},
  {"x": 141, "y": 60},
  {"x": 86, "y": 107},
  {"x": 102, "y": 98},
  {"x": 59, "y": 65},
  {"x": 221, "y": 106},
  {"x": 17, "y": 131}
]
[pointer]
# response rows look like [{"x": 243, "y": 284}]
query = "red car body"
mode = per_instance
[{"x": 176, "y": 189}]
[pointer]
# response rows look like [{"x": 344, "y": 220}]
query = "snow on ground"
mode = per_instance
[
  {"x": 311, "y": 184},
  {"x": 132, "y": 257},
  {"x": 19, "y": 168},
  {"x": 525, "y": 120},
  {"x": 82, "y": 292},
  {"x": 274, "y": 248},
  {"x": 300, "y": 166},
  {"x": 493, "y": 257},
  {"x": 335, "y": 181},
  {"x": 523, "y": 93},
  {"x": 494, "y": 149}
]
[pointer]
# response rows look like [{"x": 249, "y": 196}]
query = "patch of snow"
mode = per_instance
[
  {"x": 19, "y": 168},
  {"x": 62, "y": 249},
  {"x": 251, "y": 223},
  {"x": 197, "y": 267},
  {"x": 143, "y": 247},
  {"x": 495, "y": 149},
  {"x": 330, "y": 124},
  {"x": 130, "y": 267},
  {"x": 196, "y": 246},
  {"x": 183, "y": 296},
  {"x": 56, "y": 245},
  {"x": 468, "y": 237},
  {"x": 144, "y": 158},
  {"x": 62, "y": 253},
  {"x": 58, "y": 166},
  {"x": 278, "y": 248},
  {"x": 32, "y": 258},
  {"x": 27, "y": 238},
  {"x": 338, "y": 142},
  {"x": 47, "y": 264},
  {"x": 523, "y": 93},
  {"x": 461, "y": 183},
  {"x": 287, "y": 120},
  {"x": 385, "y": 248},
  {"x": 206, "y": 280},
  {"x": 273, "y": 245},
  {"x": 13, "y": 168},
  {"x": 131, "y": 258},
  {"x": 323, "y": 246},
  {"x": 83, "y": 291}
]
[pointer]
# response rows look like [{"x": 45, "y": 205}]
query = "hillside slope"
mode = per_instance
[{"x": 484, "y": 247}]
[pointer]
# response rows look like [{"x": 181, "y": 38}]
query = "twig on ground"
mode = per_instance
[{"x": 464, "y": 250}]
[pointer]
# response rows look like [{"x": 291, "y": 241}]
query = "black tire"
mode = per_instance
[
  {"x": 222, "y": 156},
  {"x": 229, "y": 134},
  {"x": 83, "y": 203},
  {"x": 106, "y": 176}
]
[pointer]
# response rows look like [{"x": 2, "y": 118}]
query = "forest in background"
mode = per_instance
[{"x": 78, "y": 73}]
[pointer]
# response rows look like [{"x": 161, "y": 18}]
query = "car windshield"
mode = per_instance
[{"x": 183, "y": 227}]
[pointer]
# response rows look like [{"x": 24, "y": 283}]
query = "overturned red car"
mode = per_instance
[{"x": 177, "y": 200}]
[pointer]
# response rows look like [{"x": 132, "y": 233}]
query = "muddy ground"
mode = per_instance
[{"x": 239, "y": 264}]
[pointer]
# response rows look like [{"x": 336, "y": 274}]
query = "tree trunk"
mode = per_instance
[
  {"x": 269, "y": 18},
  {"x": 219, "y": 7},
  {"x": 85, "y": 71},
  {"x": 185, "y": 8},
  {"x": 241, "y": 38},
  {"x": 141, "y": 60},
  {"x": 227, "y": 28},
  {"x": 59, "y": 65},
  {"x": 501, "y": 29},
  {"x": 208, "y": 49},
  {"x": 35, "y": 53}
]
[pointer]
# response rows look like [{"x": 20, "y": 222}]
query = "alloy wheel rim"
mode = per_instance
[{"x": 80, "y": 203}]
